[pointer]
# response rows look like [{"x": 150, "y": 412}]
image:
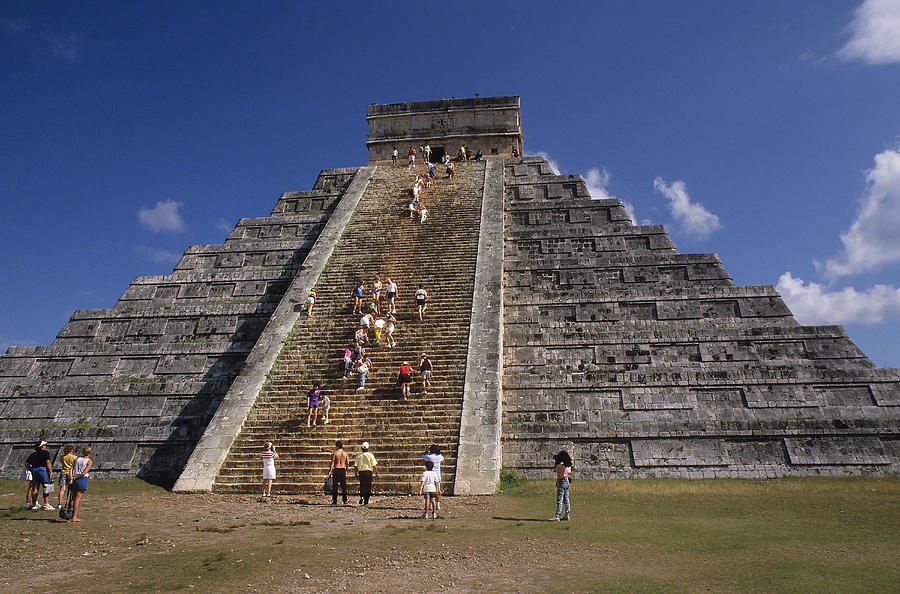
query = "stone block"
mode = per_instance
[
  {"x": 680, "y": 452},
  {"x": 813, "y": 451}
]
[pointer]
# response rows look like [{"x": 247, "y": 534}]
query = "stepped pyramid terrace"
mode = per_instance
[{"x": 553, "y": 322}]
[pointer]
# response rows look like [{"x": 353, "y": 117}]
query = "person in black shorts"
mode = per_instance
[{"x": 421, "y": 300}]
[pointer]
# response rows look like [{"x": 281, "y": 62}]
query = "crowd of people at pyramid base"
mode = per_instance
[
  {"x": 74, "y": 474},
  {"x": 366, "y": 467}
]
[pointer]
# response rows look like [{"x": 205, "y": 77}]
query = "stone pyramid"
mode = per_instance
[{"x": 583, "y": 332}]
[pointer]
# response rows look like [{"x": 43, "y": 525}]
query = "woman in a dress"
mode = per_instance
[{"x": 268, "y": 457}]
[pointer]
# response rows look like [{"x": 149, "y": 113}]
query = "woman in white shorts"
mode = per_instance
[{"x": 268, "y": 457}]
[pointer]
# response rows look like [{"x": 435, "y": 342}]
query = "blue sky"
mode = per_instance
[{"x": 768, "y": 132}]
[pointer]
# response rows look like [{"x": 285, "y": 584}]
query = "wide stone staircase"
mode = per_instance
[{"x": 380, "y": 240}]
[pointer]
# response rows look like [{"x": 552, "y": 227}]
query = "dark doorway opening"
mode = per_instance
[{"x": 437, "y": 153}]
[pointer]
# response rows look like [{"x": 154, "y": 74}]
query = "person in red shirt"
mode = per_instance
[{"x": 404, "y": 378}]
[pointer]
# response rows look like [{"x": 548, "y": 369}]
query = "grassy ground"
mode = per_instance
[{"x": 789, "y": 535}]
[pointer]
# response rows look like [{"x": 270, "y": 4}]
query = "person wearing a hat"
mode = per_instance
[
  {"x": 366, "y": 466},
  {"x": 41, "y": 474}
]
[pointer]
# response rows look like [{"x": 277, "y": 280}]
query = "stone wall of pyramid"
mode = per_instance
[
  {"x": 642, "y": 361},
  {"x": 140, "y": 381}
]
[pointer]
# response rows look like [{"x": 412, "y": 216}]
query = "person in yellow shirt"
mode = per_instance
[
  {"x": 68, "y": 459},
  {"x": 366, "y": 466}
]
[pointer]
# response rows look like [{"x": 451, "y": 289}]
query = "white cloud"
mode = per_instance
[
  {"x": 162, "y": 217},
  {"x": 873, "y": 238},
  {"x": 875, "y": 33},
  {"x": 813, "y": 303},
  {"x": 596, "y": 181},
  {"x": 157, "y": 255},
  {"x": 554, "y": 166},
  {"x": 692, "y": 217}
]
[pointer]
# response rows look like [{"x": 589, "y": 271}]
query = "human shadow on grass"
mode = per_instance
[{"x": 510, "y": 519}]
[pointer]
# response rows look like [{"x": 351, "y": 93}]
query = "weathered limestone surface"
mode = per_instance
[
  {"x": 210, "y": 453},
  {"x": 479, "y": 458},
  {"x": 141, "y": 380},
  {"x": 642, "y": 361},
  {"x": 488, "y": 124}
]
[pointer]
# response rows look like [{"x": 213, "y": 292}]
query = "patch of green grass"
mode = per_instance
[{"x": 510, "y": 479}]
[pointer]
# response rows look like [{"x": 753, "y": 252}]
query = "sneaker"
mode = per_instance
[
  {"x": 29, "y": 505},
  {"x": 425, "y": 516},
  {"x": 325, "y": 422},
  {"x": 554, "y": 519},
  {"x": 307, "y": 424},
  {"x": 565, "y": 518},
  {"x": 49, "y": 507},
  {"x": 37, "y": 507}
]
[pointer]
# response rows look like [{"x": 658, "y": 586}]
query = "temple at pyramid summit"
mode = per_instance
[{"x": 552, "y": 322}]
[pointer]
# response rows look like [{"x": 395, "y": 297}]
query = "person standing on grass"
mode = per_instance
[
  {"x": 562, "y": 468},
  {"x": 79, "y": 480},
  {"x": 421, "y": 300},
  {"x": 340, "y": 462},
  {"x": 41, "y": 474},
  {"x": 425, "y": 368},
  {"x": 434, "y": 456},
  {"x": 366, "y": 468},
  {"x": 312, "y": 402},
  {"x": 431, "y": 489},
  {"x": 268, "y": 458},
  {"x": 67, "y": 460},
  {"x": 357, "y": 295}
]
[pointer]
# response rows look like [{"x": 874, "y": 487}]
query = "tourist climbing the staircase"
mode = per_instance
[
  {"x": 390, "y": 326},
  {"x": 394, "y": 154},
  {"x": 310, "y": 301},
  {"x": 312, "y": 402},
  {"x": 357, "y": 295},
  {"x": 450, "y": 170},
  {"x": 426, "y": 153},
  {"x": 379, "y": 330},
  {"x": 425, "y": 369},
  {"x": 348, "y": 359},
  {"x": 404, "y": 378},
  {"x": 366, "y": 469},
  {"x": 376, "y": 293},
  {"x": 361, "y": 336},
  {"x": 363, "y": 367},
  {"x": 411, "y": 157},
  {"x": 421, "y": 300},
  {"x": 391, "y": 294},
  {"x": 325, "y": 405}
]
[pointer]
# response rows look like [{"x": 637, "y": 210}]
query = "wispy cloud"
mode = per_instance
[
  {"x": 15, "y": 28},
  {"x": 692, "y": 217},
  {"x": 157, "y": 255},
  {"x": 5, "y": 343},
  {"x": 813, "y": 303},
  {"x": 875, "y": 33},
  {"x": 224, "y": 226},
  {"x": 65, "y": 46},
  {"x": 162, "y": 217},
  {"x": 873, "y": 238}
]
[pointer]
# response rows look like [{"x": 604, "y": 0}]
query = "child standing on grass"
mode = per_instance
[
  {"x": 430, "y": 488},
  {"x": 68, "y": 459},
  {"x": 562, "y": 468}
]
